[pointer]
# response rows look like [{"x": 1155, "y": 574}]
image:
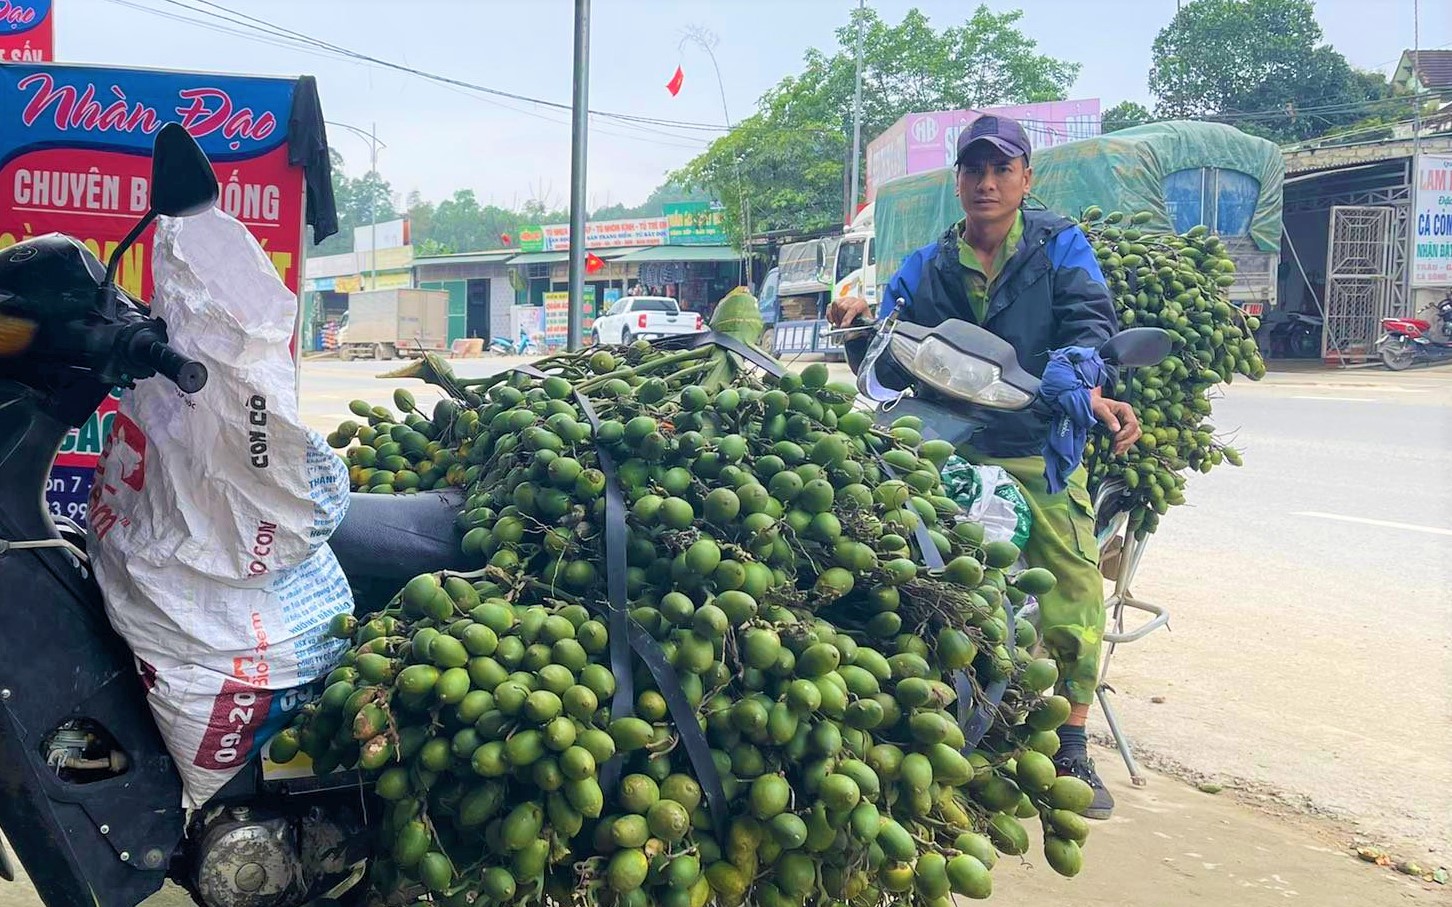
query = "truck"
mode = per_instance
[
  {"x": 633, "y": 318},
  {"x": 808, "y": 276},
  {"x": 1183, "y": 174},
  {"x": 386, "y": 324}
]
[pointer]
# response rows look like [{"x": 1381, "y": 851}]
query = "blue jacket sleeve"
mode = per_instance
[
  {"x": 1083, "y": 309},
  {"x": 897, "y": 296}
]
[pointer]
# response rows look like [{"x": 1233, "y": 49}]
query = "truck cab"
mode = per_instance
[{"x": 809, "y": 275}]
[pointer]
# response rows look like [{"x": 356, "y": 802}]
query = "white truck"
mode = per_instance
[
  {"x": 632, "y": 318},
  {"x": 386, "y": 324},
  {"x": 810, "y": 275}
]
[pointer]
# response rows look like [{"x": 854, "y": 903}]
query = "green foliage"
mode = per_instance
[
  {"x": 785, "y": 165},
  {"x": 1260, "y": 66},
  {"x": 1124, "y": 115}
]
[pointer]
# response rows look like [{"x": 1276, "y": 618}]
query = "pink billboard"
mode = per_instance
[{"x": 926, "y": 141}]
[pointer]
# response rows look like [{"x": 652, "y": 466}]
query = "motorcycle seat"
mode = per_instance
[{"x": 396, "y": 537}]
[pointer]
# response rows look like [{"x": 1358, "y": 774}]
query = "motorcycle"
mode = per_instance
[
  {"x": 506, "y": 347},
  {"x": 89, "y": 797},
  {"x": 1298, "y": 336},
  {"x": 1405, "y": 342}
]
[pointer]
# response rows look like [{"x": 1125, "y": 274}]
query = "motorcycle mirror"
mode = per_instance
[
  {"x": 1137, "y": 347},
  {"x": 182, "y": 184},
  {"x": 182, "y": 180}
]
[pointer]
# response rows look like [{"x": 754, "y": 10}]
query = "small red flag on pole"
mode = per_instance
[
  {"x": 674, "y": 85},
  {"x": 593, "y": 263},
  {"x": 506, "y": 239}
]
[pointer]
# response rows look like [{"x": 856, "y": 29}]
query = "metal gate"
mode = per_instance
[{"x": 1358, "y": 279}]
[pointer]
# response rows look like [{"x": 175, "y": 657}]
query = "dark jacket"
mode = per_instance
[{"x": 1050, "y": 295}]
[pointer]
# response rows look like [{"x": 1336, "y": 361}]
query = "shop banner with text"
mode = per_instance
[
  {"x": 27, "y": 31},
  {"x": 75, "y": 158},
  {"x": 1432, "y": 226}
]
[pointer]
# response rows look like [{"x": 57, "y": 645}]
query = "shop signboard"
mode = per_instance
[
  {"x": 599, "y": 234},
  {"x": 27, "y": 31},
  {"x": 75, "y": 146},
  {"x": 1432, "y": 222},
  {"x": 531, "y": 238},
  {"x": 695, "y": 224},
  {"x": 556, "y": 320},
  {"x": 928, "y": 141}
]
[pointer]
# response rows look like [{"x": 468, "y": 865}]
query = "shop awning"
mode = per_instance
[
  {"x": 682, "y": 253},
  {"x": 539, "y": 258},
  {"x": 550, "y": 258}
]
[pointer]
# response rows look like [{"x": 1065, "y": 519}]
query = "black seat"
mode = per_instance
[{"x": 386, "y": 540}]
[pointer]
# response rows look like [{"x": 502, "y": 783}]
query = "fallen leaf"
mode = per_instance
[
  {"x": 1370, "y": 854},
  {"x": 1209, "y": 787}
]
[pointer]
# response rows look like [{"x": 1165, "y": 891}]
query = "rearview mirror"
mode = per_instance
[
  {"x": 1137, "y": 347},
  {"x": 182, "y": 180}
]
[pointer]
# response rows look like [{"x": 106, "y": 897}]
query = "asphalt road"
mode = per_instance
[{"x": 1309, "y": 652}]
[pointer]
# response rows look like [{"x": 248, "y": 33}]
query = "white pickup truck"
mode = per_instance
[{"x": 644, "y": 318}]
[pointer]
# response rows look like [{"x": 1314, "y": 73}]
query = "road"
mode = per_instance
[
  {"x": 1308, "y": 667},
  {"x": 1311, "y": 645}
]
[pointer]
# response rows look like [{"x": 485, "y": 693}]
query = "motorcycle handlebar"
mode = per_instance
[{"x": 188, "y": 375}]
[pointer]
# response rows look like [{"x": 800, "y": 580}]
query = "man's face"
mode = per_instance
[{"x": 991, "y": 185}]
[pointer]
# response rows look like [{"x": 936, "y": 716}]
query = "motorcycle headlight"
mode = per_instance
[{"x": 955, "y": 373}]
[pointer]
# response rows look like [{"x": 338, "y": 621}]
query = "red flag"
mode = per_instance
[
  {"x": 674, "y": 85},
  {"x": 506, "y": 239},
  {"x": 593, "y": 263}
]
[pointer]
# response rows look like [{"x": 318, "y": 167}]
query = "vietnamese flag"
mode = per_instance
[
  {"x": 594, "y": 264},
  {"x": 677, "y": 80}
]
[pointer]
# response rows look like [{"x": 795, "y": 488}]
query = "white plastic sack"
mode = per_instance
[{"x": 210, "y": 513}]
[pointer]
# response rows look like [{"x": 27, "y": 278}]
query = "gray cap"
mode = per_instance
[{"x": 1001, "y": 132}]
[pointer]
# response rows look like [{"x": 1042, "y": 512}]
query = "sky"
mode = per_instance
[{"x": 440, "y": 138}]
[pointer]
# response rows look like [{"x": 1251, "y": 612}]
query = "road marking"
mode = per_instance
[
  {"x": 1387, "y": 524},
  {"x": 1333, "y": 399}
]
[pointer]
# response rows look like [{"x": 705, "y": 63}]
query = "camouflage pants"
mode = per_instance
[{"x": 1071, "y": 617}]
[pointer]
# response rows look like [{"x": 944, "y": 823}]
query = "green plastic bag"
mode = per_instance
[{"x": 990, "y": 496}]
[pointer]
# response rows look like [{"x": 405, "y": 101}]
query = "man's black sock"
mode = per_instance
[{"x": 1073, "y": 742}]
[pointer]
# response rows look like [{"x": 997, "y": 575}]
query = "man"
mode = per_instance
[{"x": 1031, "y": 278}]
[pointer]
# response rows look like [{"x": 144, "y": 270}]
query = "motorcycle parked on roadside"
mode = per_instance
[
  {"x": 1406, "y": 341},
  {"x": 1298, "y": 336},
  {"x": 89, "y": 797}
]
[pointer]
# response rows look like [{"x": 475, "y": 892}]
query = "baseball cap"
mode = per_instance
[{"x": 1001, "y": 132}]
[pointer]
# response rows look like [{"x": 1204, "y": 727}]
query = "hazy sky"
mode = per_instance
[{"x": 440, "y": 138}]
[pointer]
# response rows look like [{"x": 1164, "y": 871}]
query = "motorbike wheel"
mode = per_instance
[
  {"x": 1305, "y": 344},
  {"x": 1398, "y": 355},
  {"x": 768, "y": 340}
]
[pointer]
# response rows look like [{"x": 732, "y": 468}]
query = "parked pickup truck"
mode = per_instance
[{"x": 644, "y": 318}]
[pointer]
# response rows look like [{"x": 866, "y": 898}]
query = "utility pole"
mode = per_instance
[
  {"x": 706, "y": 39},
  {"x": 373, "y": 145},
  {"x": 856, "y": 120},
  {"x": 1416, "y": 102},
  {"x": 581, "y": 126}
]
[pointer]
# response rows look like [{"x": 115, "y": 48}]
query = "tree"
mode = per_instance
[
  {"x": 1258, "y": 65},
  {"x": 784, "y": 166},
  {"x": 1124, "y": 115},
  {"x": 360, "y": 201}
]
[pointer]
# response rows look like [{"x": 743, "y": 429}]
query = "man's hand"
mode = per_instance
[
  {"x": 1119, "y": 418},
  {"x": 842, "y": 312}
]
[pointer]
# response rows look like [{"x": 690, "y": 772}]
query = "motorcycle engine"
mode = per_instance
[{"x": 245, "y": 858}]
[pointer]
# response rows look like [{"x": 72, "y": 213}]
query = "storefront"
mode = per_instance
[
  {"x": 481, "y": 291},
  {"x": 1366, "y": 238},
  {"x": 697, "y": 276}
]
